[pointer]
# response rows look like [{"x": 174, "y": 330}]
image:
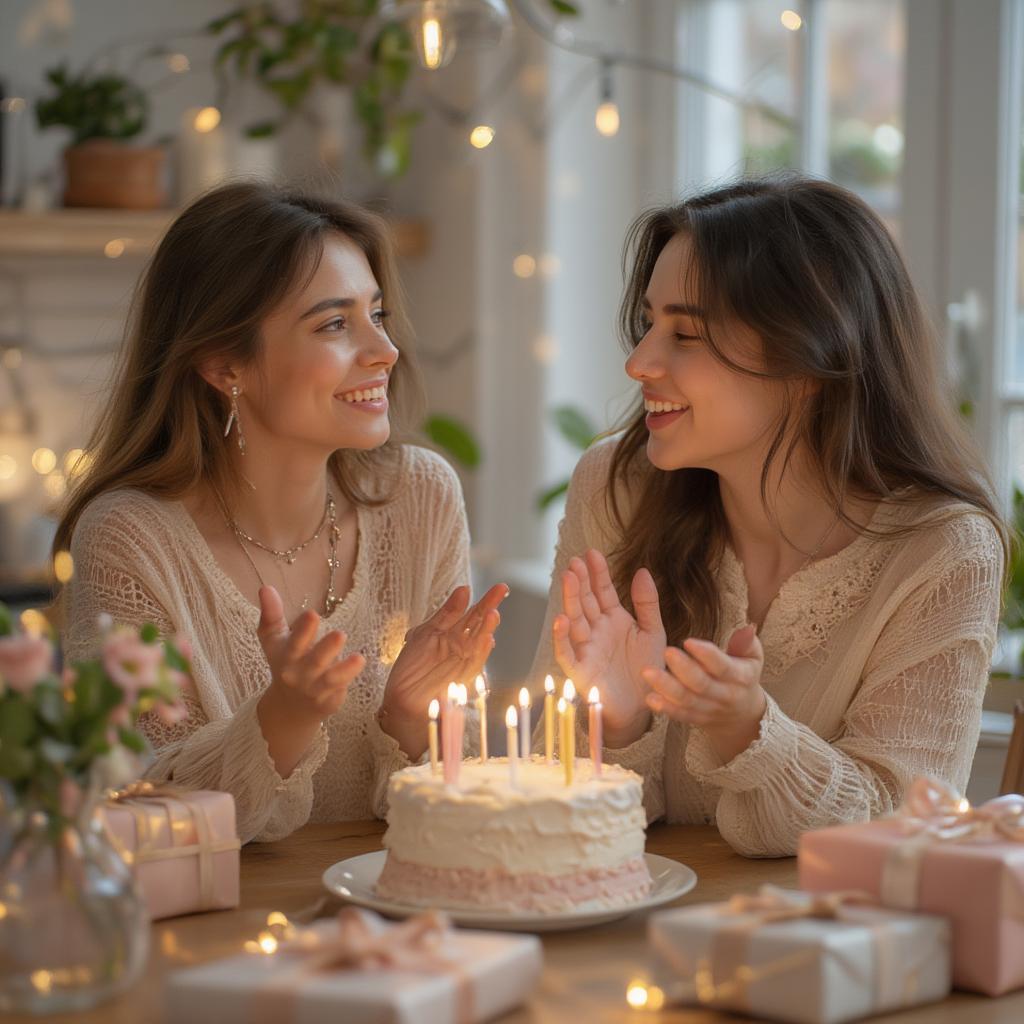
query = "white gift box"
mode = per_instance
[
  {"x": 767, "y": 955},
  {"x": 473, "y": 976}
]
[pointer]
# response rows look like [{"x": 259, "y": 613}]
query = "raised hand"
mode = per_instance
[
  {"x": 598, "y": 643},
  {"x": 451, "y": 646},
  {"x": 720, "y": 691}
]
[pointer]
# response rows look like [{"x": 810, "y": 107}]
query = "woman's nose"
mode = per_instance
[
  {"x": 643, "y": 363},
  {"x": 379, "y": 349}
]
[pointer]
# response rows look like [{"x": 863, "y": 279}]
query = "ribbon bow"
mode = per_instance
[
  {"x": 935, "y": 808},
  {"x": 142, "y": 788},
  {"x": 771, "y": 904},
  {"x": 412, "y": 945}
]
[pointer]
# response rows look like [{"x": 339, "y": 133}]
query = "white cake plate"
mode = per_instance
[{"x": 355, "y": 881}]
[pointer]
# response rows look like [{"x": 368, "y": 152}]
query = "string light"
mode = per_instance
[
  {"x": 440, "y": 28},
  {"x": 607, "y": 117},
  {"x": 114, "y": 248},
  {"x": 43, "y": 461},
  {"x": 791, "y": 20},
  {"x": 481, "y": 136},
  {"x": 524, "y": 265},
  {"x": 206, "y": 119}
]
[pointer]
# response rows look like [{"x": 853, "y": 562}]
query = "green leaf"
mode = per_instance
[
  {"x": 574, "y": 426},
  {"x": 50, "y": 705},
  {"x": 6, "y": 620},
  {"x": 132, "y": 740},
  {"x": 454, "y": 439},
  {"x": 261, "y": 130},
  {"x": 15, "y": 763},
  {"x": 564, "y": 7},
  {"x": 149, "y": 633},
  {"x": 17, "y": 722},
  {"x": 551, "y": 495}
]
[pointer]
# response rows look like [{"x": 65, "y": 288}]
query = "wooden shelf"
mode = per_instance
[{"x": 120, "y": 234}]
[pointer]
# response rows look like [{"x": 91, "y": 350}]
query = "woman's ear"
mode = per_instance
[{"x": 219, "y": 374}]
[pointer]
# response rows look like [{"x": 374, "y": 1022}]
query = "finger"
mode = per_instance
[
  {"x": 325, "y": 652},
  {"x": 711, "y": 658},
  {"x": 646, "y": 603},
  {"x": 273, "y": 624},
  {"x": 694, "y": 711},
  {"x": 579, "y": 628},
  {"x": 601, "y": 581},
  {"x": 303, "y": 630},
  {"x": 451, "y": 611},
  {"x": 666, "y": 684},
  {"x": 744, "y": 642},
  {"x": 691, "y": 675},
  {"x": 339, "y": 676},
  {"x": 564, "y": 653},
  {"x": 588, "y": 602},
  {"x": 469, "y": 624}
]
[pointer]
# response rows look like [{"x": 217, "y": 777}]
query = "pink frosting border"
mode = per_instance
[{"x": 497, "y": 889}]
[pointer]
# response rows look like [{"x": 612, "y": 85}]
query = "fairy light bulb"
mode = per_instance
[
  {"x": 435, "y": 38},
  {"x": 607, "y": 120}
]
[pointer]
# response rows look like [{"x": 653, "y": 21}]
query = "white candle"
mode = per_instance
[
  {"x": 549, "y": 719},
  {"x": 448, "y": 755},
  {"x": 511, "y": 726},
  {"x": 433, "y": 711},
  {"x": 596, "y": 729},
  {"x": 524, "y": 723},
  {"x": 462, "y": 699},
  {"x": 481, "y": 706}
]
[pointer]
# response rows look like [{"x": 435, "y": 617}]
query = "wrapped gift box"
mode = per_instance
[
  {"x": 786, "y": 956},
  {"x": 463, "y": 977},
  {"x": 181, "y": 844}
]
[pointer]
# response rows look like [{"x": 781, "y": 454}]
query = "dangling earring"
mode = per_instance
[{"x": 234, "y": 418}]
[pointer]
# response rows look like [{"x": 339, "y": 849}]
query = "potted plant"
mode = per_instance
[
  {"x": 103, "y": 110},
  {"x": 74, "y": 929}
]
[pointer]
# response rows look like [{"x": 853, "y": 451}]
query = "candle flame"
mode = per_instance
[
  {"x": 463, "y": 695},
  {"x": 569, "y": 691},
  {"x": 511, "y": 716},
  {"x": 636, "y": 995},
  {"x": 435, "y": 709},
  {"x": 453, "y": 693},
  {"x": 267, "y": 943},
  {"x": 562, "y": 705},
  {"x": 594, "y": 697},
  {"x": 964, "y": 806},
  {"x": 481, "y": 685},
  {"x": 524, "y": 697},
  {"x": 549, "y": 684}
]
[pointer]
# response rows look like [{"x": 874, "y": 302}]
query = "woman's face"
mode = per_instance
[
  {"x": 700, "y": 413},
  {"x": 326, "y": 358}
]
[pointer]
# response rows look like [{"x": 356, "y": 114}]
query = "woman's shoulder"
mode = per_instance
[{"x": 124, "y": 511}]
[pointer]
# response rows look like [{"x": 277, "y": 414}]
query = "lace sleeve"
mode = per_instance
[
  {"x": 117, "y": 574},
  {"x": 918, "y": 710}
]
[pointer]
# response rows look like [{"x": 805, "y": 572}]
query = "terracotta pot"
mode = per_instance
[{"x": 114, "y": 175}]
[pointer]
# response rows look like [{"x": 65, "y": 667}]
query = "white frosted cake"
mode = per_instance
[{"x": 540, "y": 846}]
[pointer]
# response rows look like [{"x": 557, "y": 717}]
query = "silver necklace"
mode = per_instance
[{"x": 289, "y": 554}]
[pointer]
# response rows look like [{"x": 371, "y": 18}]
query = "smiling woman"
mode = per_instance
[{"x": 250, "y": 492}]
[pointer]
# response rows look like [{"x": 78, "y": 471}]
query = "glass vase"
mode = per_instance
[{"x": 74, "y": 931}]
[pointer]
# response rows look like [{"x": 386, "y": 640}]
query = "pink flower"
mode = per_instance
[
  {"x": 70, "y": 797},
  {"x": 130, "y": 661},
  {"x": 184, "y": 645},
  {"x": 24, "y": 660},
  {"x": 172, "y": 714}
]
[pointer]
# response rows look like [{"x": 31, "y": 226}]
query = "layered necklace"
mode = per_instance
[{"x": 328, "y": 522}]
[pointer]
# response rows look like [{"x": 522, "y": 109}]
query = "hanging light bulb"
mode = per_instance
[
  {"x": 606, "y": 119},
  {"x": 441, "y": 27}
]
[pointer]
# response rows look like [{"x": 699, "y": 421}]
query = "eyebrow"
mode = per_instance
[
  {"x": 676, "y": 308},
  {"x": 326, "y": 304}
]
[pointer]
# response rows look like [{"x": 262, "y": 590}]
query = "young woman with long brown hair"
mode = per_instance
[
  {"x": 246, "y": 491},
  {"x": 800, "y": 598}
]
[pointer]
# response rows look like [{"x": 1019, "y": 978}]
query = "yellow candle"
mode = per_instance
[
  {"x": 565, "y": 740},
  {"x": 433, "y": 712},
  {"x": 481, "y": 706},
  {"x": 549, "y": 719}
]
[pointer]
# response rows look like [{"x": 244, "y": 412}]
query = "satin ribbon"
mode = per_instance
[
  {"x": 149, "y": 805},
  {"x": 415, "y": 945},
  {"x": 934, "y": 812}
]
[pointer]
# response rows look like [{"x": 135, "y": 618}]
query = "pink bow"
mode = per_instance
[
  {"x": 412, "y": 945},
  {"x": 772, "y": 904},
  {"x": 936, "y": 808}
]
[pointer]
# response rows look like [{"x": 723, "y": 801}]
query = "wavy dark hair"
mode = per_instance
[
  {"x": 813, "y": 271},
  {"x": 226, "y": 263}
]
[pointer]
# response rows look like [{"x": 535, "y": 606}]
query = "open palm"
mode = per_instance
[{"x": 598, "y": 643}]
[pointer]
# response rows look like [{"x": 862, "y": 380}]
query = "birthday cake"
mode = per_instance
[{"x": 535, "y": 846}]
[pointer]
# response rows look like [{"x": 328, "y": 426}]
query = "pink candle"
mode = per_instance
[
  {"x": 511, "y": 726},
  {"x": 596, "y": 729}
]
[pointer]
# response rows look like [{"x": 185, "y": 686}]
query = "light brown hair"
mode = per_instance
[
  {"x": 224, "y": 265},
  {"x": 812, "y": 270}
]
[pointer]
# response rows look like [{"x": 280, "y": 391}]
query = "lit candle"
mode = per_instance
[
  {"x": 563, "y": 743},
  {"x": 568, "y": 745},
  {"x": 481, "y": 706},
  {"x": 448, "y": 755},
  {"x": 524, "y": 722},
  {"x": 433, "y": 711},
  {"x": 596, "y": 729},
  {"x": 549, "y": 719},
  {"x": 511, "y": 726},
  {"x": 462, "y": 699}
]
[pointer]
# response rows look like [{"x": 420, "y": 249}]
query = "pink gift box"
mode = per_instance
[
  {"x": 466, "y": 978},
  {"x": 182, "y": 846},
  {"x": 975, "y": 881}
]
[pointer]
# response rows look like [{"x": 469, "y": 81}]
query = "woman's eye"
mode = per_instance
[
  {"x": 380, "y": 316},
  {"x": 334, "y": 325},
  {"x": 687, "y": 337}
]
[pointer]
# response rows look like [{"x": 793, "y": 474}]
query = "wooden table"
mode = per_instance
[{"x": 585, "y": 972}]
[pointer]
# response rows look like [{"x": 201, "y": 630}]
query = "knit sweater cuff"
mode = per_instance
[
  {"x": 645, "y": 753},
  {"x": 769, "y": 754}
]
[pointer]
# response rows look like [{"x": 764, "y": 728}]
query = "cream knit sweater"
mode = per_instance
[
  {"x": 140, "y": 559},
  {"x": 876, "y": 661}
]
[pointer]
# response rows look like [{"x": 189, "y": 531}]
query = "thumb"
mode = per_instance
[
  {"x": 744, "y": 643},
  {"x": 272, "y": 621},
  {"x": 644, "y": 592}
]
